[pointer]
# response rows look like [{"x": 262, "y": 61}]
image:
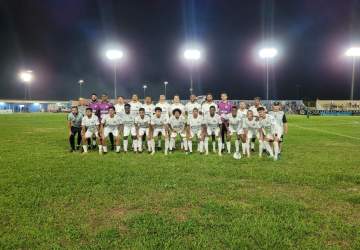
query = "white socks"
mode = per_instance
[
  {"x": 104, "y": 149},
  {"x": 125, "y": 142},
  {"x": 276, "y": 150},
  {"x": 228, "y": 146},
  {"x": 190, "y": 145},
  {"x": 214, "y": 146},
  {"x": 206, "y": 145},
  {"x": 135, "y": 145},
  {"x": 85, "y": 148},
  {"x": 117, "y": 148},
  {"x": 219, "y": 146},
  {"x": 185, "y": 144}
]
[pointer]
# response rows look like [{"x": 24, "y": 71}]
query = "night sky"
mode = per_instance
[{"x": 62, "y": 41}]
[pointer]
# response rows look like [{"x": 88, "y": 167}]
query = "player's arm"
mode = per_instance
[
  {"x": 285, "y": 124},
  {"x": 69, "y": 127}
]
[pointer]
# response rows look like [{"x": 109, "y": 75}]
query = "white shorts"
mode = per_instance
[
  {"x": 89, "y": 134},
  {"x": 143, "y": 131},
  {"x": 233, "y": 131},
  {"x": 175, "y": 133},
  {"x": 129, "y": 131},
  {"x": 194, "y": 133},
  {"x": 113, "y": 131},
  {"x": 158, "y": 131},
  {"x": 279, "y": 131},
  {"x": 213, "y": 131},
  {"x": 251, "y": 133}
]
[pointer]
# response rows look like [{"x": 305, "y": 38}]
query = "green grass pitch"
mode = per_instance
[{"x": 52, "y": 199}]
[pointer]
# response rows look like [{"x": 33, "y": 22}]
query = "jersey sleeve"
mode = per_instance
[
  {"x": 83, "y": 121},
  {"x": 69, "y": 117},
  {"x": 103, "y": 120}
]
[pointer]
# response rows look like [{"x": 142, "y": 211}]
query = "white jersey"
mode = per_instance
[
  {"x": 159, "y": 122},
  {"x": 142, "y": 122},
  {"x": 195, "y": 123},
  {"x": 254, "y": 110},
  {"x": 212, "y": 122},
  {"x": 134, "y": 107},
  {"x": 279, "y": 117},
  {"x": 205, "y": 108},
  {"x": 235, "y": 123},
  {"x": 242, "y": 113},
  {"x": 177, "y": 106},
  {"x": 177, "y": 124},
  {"x": 189, "y": 107},
  {"x": 165, "y": 108},
  {"x": 128, "y": 120},
  {"x": 267, "y": 124},
  {"x": 250, "y": 124},
  {"x": 149, "y": 109},
  {"x": 111, "y": 122},
  {"x": 90, "y": 123},
  {"x": 119, "y": 108}
]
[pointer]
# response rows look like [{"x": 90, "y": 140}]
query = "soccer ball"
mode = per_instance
[{"x": 237, "y": 156}]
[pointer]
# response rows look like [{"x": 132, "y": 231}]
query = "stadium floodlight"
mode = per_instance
[
  {"x": 144, "y": 87},
  {"x": 192, "y": 55},
  {"x": 114, "y": 55},
  {"x": 267, "y": 54},
  {"x": 26, "y": 77},
  {"x": 81, "y": 83},
  {"x": 165, "y": 85},
  {"x": 353, "y": 52}
]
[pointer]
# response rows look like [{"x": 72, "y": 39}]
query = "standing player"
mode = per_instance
[
  {"x": 90, "y": 127},
  {"x": 159, "y": 128},
  {"x": 104, "y": 106},
  {"x": 142, "y": 124},
  {"x": 135, "y": 105},
  {"x": 224, "y": 108},
  {"x": 176, "y": 105},
  {"x": 235, "y": 128},
  {"x": 82, "y": 106},
  {"x": 281, "y": 126},
  {"x": 110, "y": 124},
  {"x": 128, "y": 128},
  {"x": 267, "y": 132},
  {"x": 119, "y": 106},
  {"x": 213, "y": 123},
  {"x": 242, "y": 111},
  {"x": 74, "y": 124},
  {"x": 177, "y": 127},
  {"x": 164, "y": 105},
  {"x": 195, "y": 124},
  {"x": 149, "y": 108},
  {"x": 205, "y": 106},
  {"x": 251, "y": 130},
  {"x": 254, "y": 109},
  {"x": 191, "y": 105},
  {"x": 94, "y": 105}
]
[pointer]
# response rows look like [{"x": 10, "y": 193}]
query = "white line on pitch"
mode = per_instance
[{"x": 326, "y": 132}]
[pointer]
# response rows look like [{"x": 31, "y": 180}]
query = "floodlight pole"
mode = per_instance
[
  {"x": 165, "y": 84},
  {"x": 115, "y": 79},
  {"x": 353, "y": 79},
  {"x": 191, "y": 78},
  {"x": 267, "y": 78}
]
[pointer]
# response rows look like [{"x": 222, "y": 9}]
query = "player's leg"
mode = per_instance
[
  {"x": 166, "y": 138},
  {"x": 276, "y": 144},
  {"x": 184, "y": 139},
  {"x": 200, "y": 141},
  {"x": 267, "y": 140},
  {"x": 87, "y": 135},
  {"x": 134, "y": 139},
  {"x": 125, "y": 138},
  {"x": 105, "y": 135},
  {"x": 242, "y": 138},
  {"x": 228, "y": 141},
  {"x": 140, "y": 139},
  {"x": 117, "y": 141},
  {"x": 79, "y": 139},
  {"x": 72, "y": 139},
  {"x": 190, "y": 140},
  {"x": 218, "y": 138},
  {"x": 111, "y": 138}
]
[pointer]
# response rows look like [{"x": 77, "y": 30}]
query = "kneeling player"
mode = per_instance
[
  {"x": 142, "y": 124},
  {"x": 235, "y": 128},
  {"x": 195, "y": 124},
  {"x": 159, "y": 123},
  {"x": 213, "y": 123},
  {"x": 110, "y": 126},
  {"x": 251, "y": 130},
  {"x": 90, "y": 127},
  {"x": 177, "y": 127},
  {"x": 128, "y": 128},
  {"x": 267, "y": 131}
]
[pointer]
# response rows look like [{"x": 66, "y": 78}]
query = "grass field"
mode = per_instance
[{"x": 310, "y": 199}]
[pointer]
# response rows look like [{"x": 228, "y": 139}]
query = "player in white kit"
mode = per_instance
[
  {"x": 176, "y": 105},
  {"x": 177, "y": 125},
  {"x": 191, "y": 105},
  {"x": 195, "y": 124},
  {"x": 281, "y": 126},
  {"x": 213, "y": 123},
  {"x": 205, "y": 106},
  {"x": 159, "y": 128},
  {"x": 251, "y": 130},
  {"x": 235, "y": 128},
  {"x": 110, "y": 124},
  {"x": 90, "y": 127},
  {"x": 242, "y": 111},
  {"x": 135, "y": 105},
  {"x": 267, "y": 134},
  {"x": 128, "y": 128},
  {"x": 253, "y": 108},
  {"x": 165, "y": 109},
  {"x": 142, "y": 124},
  {"x": 149, "y": 108}
]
